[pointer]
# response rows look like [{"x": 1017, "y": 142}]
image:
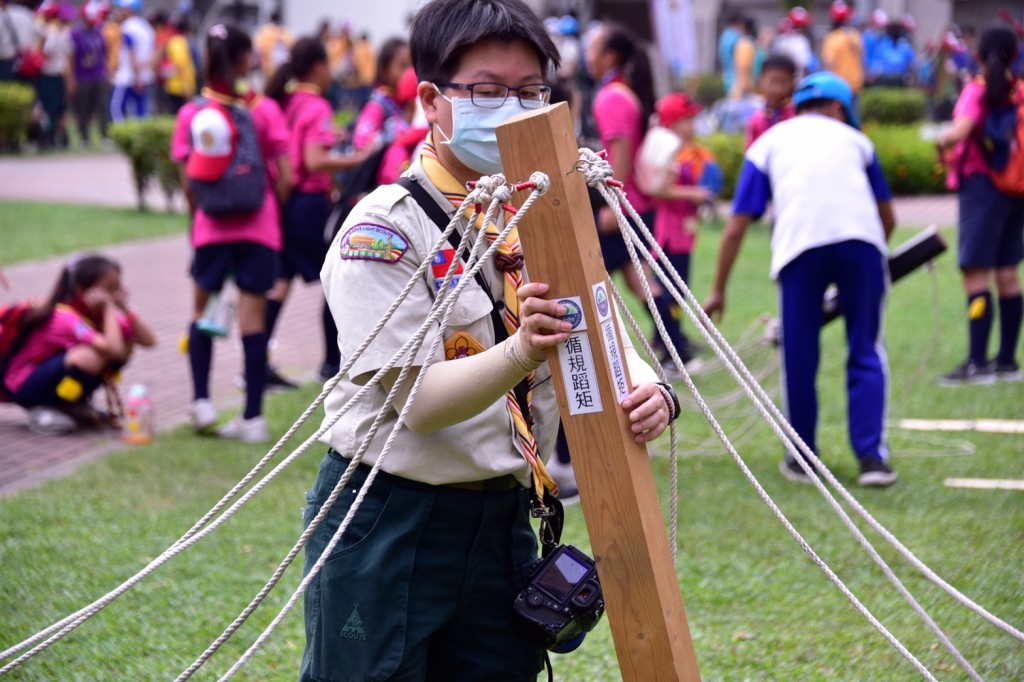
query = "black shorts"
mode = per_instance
[
  {"x": 613, "y": 246},
  {"x": 43, "y": 387},
  {"x": 253, "y": 266},
  {"x": 991, "y": 225},
  {"x": 305, "y": 244}
]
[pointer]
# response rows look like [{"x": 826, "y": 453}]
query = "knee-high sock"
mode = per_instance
[
  {"x": 332, "y": 355},
  {"x": 254, "y": 347},
  {"x": 200, "y": 357},
  {"x": 665, "y": 305},
  {"x": 273, "y": 312},
  {"x": 979, "y": 324},
  {"x": 1011, "y": 311}
]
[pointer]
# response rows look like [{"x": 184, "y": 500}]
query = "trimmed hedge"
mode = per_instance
[
  {"x": 16, "y": 100},
  {"x": 147, "y": 144},
  {"x": 909, "y": 163},
  {"x": 893, "y": 105}
]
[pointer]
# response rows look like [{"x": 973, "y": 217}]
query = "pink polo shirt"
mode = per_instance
[
  {"x": 65, "y": 329},
  {"x": 675, "y": 220},
  {"x": 263, "y": 226},
  {"x": 762, "y": 120},
  {"x": 618, "y": 115},
  {"x": 967, "y": 158},
  {"x": 311, "y": 121}
]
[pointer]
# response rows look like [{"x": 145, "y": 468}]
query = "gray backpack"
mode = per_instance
[{"x": 242, "y": 188}]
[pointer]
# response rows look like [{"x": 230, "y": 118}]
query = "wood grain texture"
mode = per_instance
[{"x": 617, "y": 491}]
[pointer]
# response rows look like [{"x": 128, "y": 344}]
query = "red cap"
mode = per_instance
[
  {"x": 405, "y": 91},
  {"x": 840, "y": 11},
  {"x": 213, "y": 144},
  {"x": 784, "y": 25},
  {"x": 49, "y": 9},
  {"x": 800, "y": 17},
  {"x": 675, "y": 107}
]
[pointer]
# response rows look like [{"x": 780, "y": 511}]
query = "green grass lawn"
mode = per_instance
[
  {"x": 757, "y": 608},
  {"x": 32, "y": 230}
]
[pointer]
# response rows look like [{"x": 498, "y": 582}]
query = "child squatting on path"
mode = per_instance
[{"x": 71, "y": 344}]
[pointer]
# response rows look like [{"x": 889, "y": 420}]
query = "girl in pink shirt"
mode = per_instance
[
  {"x": 622, "y": 108},
  {"x": 245, "y": 245},
  {"x": 298, "y": 86},
  {"x": 70, "y": 344},
  {"x": 991, "y": 230},
  {"x": 383, "y": 115}
]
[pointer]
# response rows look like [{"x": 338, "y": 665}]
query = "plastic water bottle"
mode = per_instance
[
  {"x": 218, "y": 315},
  {"x": 137, "y": 428}
]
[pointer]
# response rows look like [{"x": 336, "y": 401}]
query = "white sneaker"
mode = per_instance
[
  {"x": 246, "y": 430},
  {"x": 203, "y": 413},
  {"x": 49, "y": 421}
]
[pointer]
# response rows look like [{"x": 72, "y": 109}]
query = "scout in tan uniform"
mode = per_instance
[{"x": 422, "y": 584}]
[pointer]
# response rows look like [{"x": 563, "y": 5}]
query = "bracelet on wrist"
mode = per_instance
[{"x": 668, "y": 392}]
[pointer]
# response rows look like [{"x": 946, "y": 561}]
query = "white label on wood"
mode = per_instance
[
  {"x": 612, "y": 350},
  {"x": 578, "y": 375}
]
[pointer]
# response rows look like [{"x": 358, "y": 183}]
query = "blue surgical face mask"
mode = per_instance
[{"x": 474, "y": 138}]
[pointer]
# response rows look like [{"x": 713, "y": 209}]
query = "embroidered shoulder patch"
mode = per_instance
[
  {"x": 367, "y": 241},
  {"x": 461, "y": 345}
]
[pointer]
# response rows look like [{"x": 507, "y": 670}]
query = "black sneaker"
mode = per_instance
[
  {"x": 276, "y": 381},
  {"x": 793, "y": 471},
  {"x": 874, "y": 473},
  {"x": 970, "y": 372},
  {"x": 1008, "y": 372}
]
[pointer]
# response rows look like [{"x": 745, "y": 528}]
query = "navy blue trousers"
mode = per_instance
[{"x": 860, "y": 272}]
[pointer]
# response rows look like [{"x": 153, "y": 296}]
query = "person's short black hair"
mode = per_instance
[
  {"x": 444, "y": 29},
  {"x": 779, "y": 62},
  {"x": 817, "y": 105}
]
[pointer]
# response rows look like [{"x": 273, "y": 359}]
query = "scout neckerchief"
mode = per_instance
[{"x": 510, "y": 262}]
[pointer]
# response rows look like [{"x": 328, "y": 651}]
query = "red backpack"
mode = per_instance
[{"x": 13, "y": 334}]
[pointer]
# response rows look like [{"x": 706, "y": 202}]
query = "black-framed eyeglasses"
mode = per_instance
[{"x": 493, "y": 95}]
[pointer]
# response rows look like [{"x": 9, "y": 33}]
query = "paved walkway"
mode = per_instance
[{"x": 154, "y": 272}]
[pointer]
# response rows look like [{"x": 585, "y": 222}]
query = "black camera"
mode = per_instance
[{"x": 562, "y": 600}]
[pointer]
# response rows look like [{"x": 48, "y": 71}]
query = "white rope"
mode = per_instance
[
  {"x": 541, "y": 188},
  {"x": 632, "y": 240},
  {"x": 70, "y": 623},
  {"x": 735, "y": 364},
  {"x": 442, "y": 305}
]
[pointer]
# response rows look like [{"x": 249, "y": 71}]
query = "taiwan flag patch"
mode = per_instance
[{"x": 439, "y": 268}]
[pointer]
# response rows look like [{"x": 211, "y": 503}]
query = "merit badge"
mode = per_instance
[
  {"x": 439, "y": 267},
  {"x": 366, "y": 241},
  {"x": 461, "y": 345}
]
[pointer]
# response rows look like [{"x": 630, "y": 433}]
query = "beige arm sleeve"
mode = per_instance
[
  {"x": 452, "y": 392},
  {"x": 639, "y": 371}
]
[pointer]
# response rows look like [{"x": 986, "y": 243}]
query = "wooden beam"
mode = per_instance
[{"x": 620, "y": 501}]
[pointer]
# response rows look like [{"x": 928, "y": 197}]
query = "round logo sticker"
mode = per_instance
[
  {"x": 573, "y": 314},
  {"x": 602, "y": 302}
]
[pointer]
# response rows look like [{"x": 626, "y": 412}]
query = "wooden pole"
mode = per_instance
[{"x": 620, "y": 501}]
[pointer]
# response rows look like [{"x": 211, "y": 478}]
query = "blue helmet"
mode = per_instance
[
  {"x": 569, "y": 26},
  {"x": 134, "y": 5},
  {"x": 826, "y": 85}
]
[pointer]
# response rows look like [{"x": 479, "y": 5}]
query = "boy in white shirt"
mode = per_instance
[{"x": 833, "y": 218}]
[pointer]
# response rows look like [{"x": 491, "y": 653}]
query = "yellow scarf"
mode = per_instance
[{"x": 510, "y": 262}]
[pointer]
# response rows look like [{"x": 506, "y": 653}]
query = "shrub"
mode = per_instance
[
  {"x": 147, "y": 144},
  {"x": 708, "y": 88},
  {"x": 16, "y": 102},
  {"x": 908, "y": 162},
  {"x": 893, "y": 105}
]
